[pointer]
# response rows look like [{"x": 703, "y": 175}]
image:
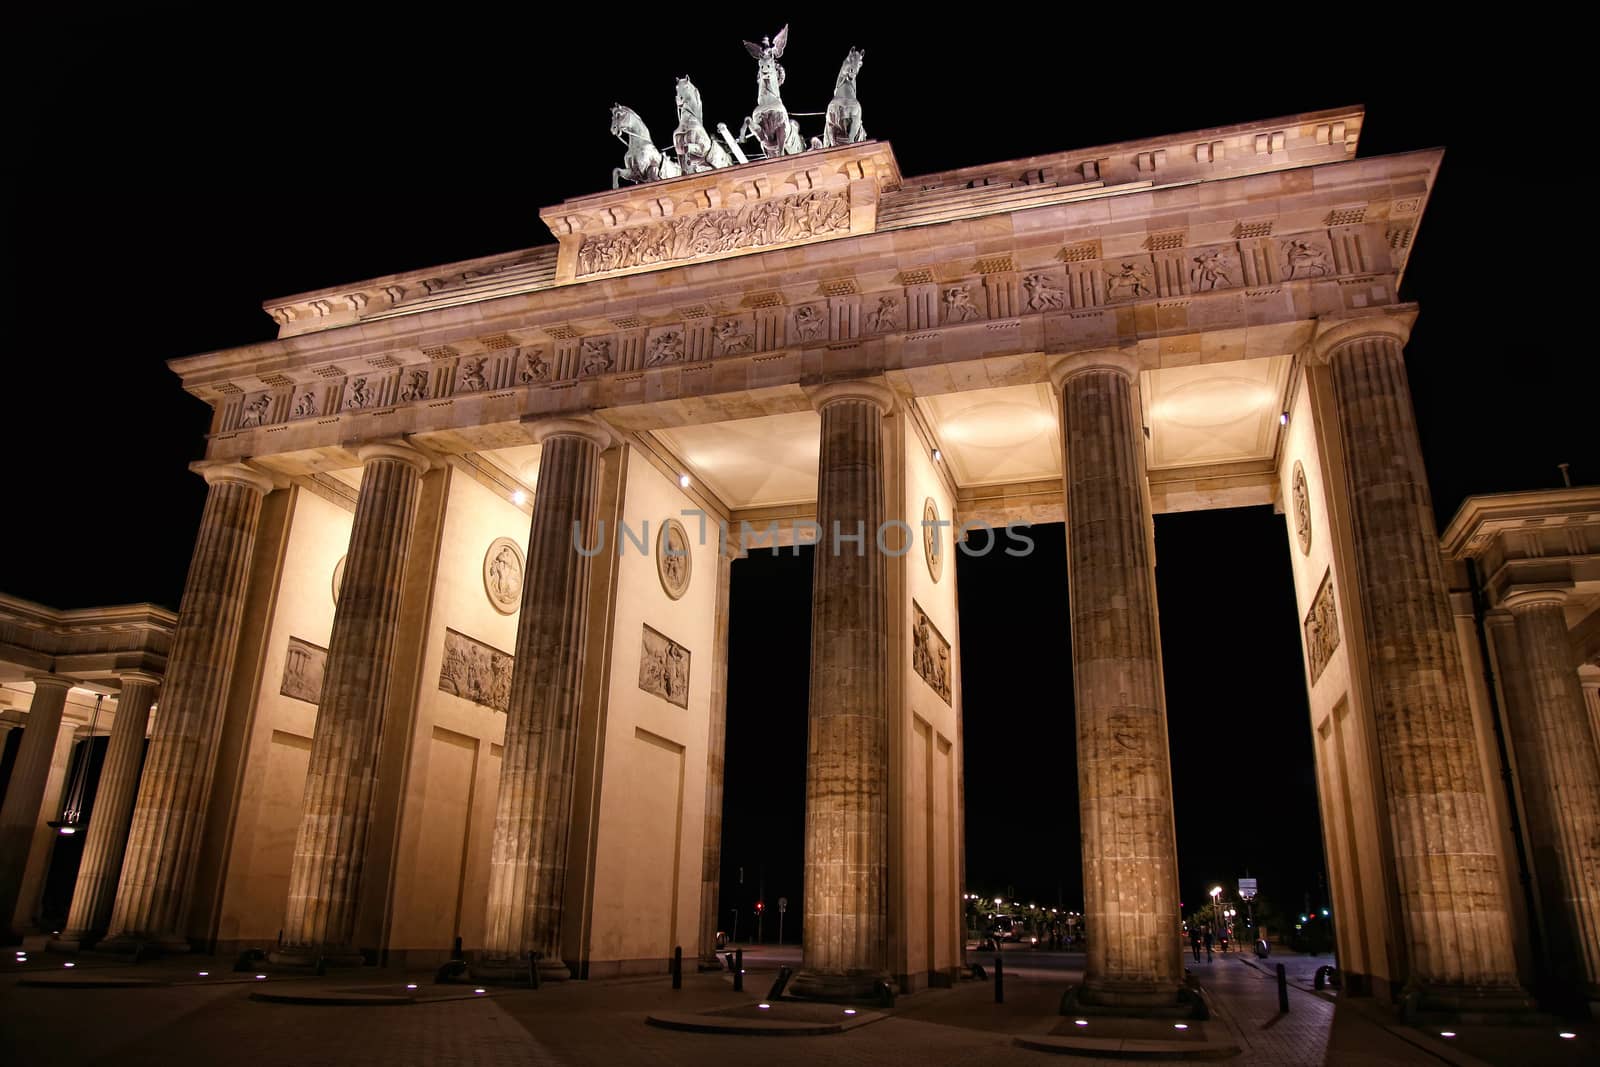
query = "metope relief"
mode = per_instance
[
  {"x": 1042, "y": 293},
  {"x": 502, "y": 575},
  {"x": 1322, "y": 629},
  {"x": 734, "y": 338},
  {"x": 1212, "y": 268},
  {"x": 754, "y": 225},
  {"x": 1128, "y": 281},
  {"x": 809, "y": 323},
  {"x": 303, "y": 666},
  {"x": 958, "y": 305},
  {"x": 886, "y": 317},
  {"x": 673, "y": 564},
  {"x": 930, "y": 653},
  {"x": 596, "y": 356},
  {"x": 1302, "y": 509},
  {"x": 664, "y": 667},
  {"x": 475, "y": 671},
  {"x": 665, "y": 347},
  {"x": 1305, "y": 258}
]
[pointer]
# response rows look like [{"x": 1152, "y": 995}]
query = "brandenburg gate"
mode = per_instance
[{"x": 452, "y": 654}]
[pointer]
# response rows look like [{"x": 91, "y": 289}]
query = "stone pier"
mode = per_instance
[
  {"x": 325, "y": 880},
  {"x": 528, "y": 866},
  {"x": 1459, "y": 939},
  {"x": 716, "y": 750},
  {"x": 1125, "y": 782},
  {"x": 847, "y": 759},
  {"x": 169, "y": 814},
  {"x": 19, "y": 816},
  {"x": 107, "y": 835},
  {"x": 1560, "y": 788}
]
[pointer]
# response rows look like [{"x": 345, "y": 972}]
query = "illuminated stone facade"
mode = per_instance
[{"x": 1199, "y": 321}]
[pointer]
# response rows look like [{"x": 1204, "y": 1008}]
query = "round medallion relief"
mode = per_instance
[
  {"x": 1302, "y": 509},
  {"x": 672, "y": 558},
  {"x": 338, "y": 579},
  {"x": 502, "y": 575},
  {"x": 932, "y": 539}
]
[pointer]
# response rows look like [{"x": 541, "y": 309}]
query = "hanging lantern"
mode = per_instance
[{"x": 72, "y": 820}]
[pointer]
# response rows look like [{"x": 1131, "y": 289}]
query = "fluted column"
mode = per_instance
[
  {"x": 169, "y": 811},
  {"x": 107, "y": 836},
  {"x": 716, "y": 748},
  {"x": 846, "y": 950},
  {"x": 1130, "y": 868},
  {"x": 1457, "y": 929},
  {"x": 1560, "y": 788},
  {"x": 342, "y": 770},
  {"x": 528, "y": 864},
  {"x": 19, "y": 815}
]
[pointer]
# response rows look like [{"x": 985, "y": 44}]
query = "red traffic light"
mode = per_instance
[{"x": 760, "y": 906}]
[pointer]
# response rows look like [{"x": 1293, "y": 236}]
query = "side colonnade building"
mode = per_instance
[{"x": 452, "y": 655}]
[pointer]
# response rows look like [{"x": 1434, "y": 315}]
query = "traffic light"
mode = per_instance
[{"x": 760, "y": 907}]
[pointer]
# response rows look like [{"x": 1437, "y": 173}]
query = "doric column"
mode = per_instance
[
  {"x": 341, "y": 774},
  {"x": 528, "y": 864},
  {"x": 169, "y": 812},
  {"x": 19, "y": 816},
  {"x": 1457, "y": 929},
  {"x": 107, "y": 836},
  {"x": 1130, "y": 868},
  {"x": 846, "y": 948},
  {"x": 716, "y": 747},
  {"x": 1560, "y": 787}
]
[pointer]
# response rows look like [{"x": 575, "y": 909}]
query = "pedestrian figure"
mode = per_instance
[
  {"x": 1208, "y": 944},
  {"x": 1194, "y": 942}
]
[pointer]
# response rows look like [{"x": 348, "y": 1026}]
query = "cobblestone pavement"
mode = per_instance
[{"x": 212, "y": 1020}]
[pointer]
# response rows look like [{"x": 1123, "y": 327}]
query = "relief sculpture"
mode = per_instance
[
  {"x": 930, "y": 654},
  {"x": 303, "y": 665},
  {"x": 754, "y": 225},
  {"x": 664, "y": 668},
  {"x": 1322, "y": 629},
  {"x": 475, "y": 671},
  {"x": 1302, "y": 509}
]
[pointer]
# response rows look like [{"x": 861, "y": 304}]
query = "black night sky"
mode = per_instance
[{"x": 170, "y": 172}]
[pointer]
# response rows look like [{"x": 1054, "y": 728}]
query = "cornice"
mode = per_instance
[{"x": 1481, "y": 518}]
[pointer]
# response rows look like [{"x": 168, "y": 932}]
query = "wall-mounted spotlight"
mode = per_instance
[
  {"x": 1283, "y": 418},
  {"x": 519, "y": 498},
  {"x": 683, "y": 481},
  {"x": 937, "y": 455}
]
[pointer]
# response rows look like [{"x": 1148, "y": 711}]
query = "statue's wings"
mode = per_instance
[
  {"x": 780, "y": 42},
  {"x": 755, "y": 50}
]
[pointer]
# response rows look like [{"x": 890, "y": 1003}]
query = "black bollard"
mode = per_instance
[
  {"x": 455, "y": 949},
  {"x": 533, "y": 969},
  {"x": 999, "y": 979},
  {"x": 1283, "y": 989},
  {"x": 738, "y": 970},
  {"x": 677, "y": 967}
]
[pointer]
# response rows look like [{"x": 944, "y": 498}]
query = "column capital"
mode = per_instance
[
  {"x": 128, "y": 678},
  {"x": 399, "y": 450},
  {"x": 873, "y": 390},
  {"x": 1119, "y": 360},
  {"x": 584, "y": 427},
  {"x": 1521, "y": 597},
  {"x": 234, "y": 474},
  {"x": 1334, "y": 331},
  {"x": 43, "y": 679}
]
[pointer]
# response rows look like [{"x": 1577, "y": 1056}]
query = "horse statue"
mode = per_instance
[
  {"x": 844, "y": 110},
  {"x": 697, "y": 150},
  {"x": 643, "y": 161},
  {"x": 770, "y": 122}
]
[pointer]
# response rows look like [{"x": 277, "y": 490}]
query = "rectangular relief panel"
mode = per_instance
[
  {"x": 1322, "y": 628},
  {"x": 475, "y": 671},
  {"x": 930, "y": 653},
  {"x": 303, "y": 665},
  {"x": 664, "y": 667}
]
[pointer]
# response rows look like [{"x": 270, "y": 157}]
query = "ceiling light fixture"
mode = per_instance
[
  {"x": 519, "y": 498},
  {"x": 683, "y": 481}
]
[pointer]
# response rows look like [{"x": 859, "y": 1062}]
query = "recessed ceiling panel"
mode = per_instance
[
  {"x": 996, "y": 436},
  {"x": 749, "y": 463},
  {"x": 1214, "y": 412}
]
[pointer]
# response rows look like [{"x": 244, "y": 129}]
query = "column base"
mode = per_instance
[
  {"x": 316, "y": 956},
  {"x": 864, "y": 986},
  {"x": 1143, "y": 1000},
  {"x": 1479, "y": 1004},
  {"x": 145, "y": 945},
  {"x": 518, "y": 972}
]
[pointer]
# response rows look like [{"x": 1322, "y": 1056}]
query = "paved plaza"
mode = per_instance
[{"x": 184, "y": 1018}]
